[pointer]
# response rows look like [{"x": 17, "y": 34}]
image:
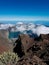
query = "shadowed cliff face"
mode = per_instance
[
  {"x": 27, "y": 48},
  {"x": 18, "y": 48},
  {"x": 24, "y": 42}
]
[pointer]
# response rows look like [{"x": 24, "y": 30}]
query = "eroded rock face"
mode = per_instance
[
  {"x": 5, "y": 44},
  {"x": 24, "y": 42},
  {"x": 44, "y": 36},
  {"x": 30, "y": 48},
  {"x": 31, "y": 61}
]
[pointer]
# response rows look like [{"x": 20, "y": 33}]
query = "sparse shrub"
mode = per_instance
[{"x": 8, "y": 58}]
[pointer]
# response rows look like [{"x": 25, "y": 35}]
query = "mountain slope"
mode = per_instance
[{"x": 4, "y": 44}]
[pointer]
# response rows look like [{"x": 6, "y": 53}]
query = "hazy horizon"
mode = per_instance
[{"x": 24, "y": 10}]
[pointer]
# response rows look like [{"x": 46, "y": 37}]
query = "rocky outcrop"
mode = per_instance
[
  {"x": 24, "y": 43},
  {"x": 32, "y": 49},
  {"x": 34, "y": 60}
]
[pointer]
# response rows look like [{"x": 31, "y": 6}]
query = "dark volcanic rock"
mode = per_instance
[
  {"x": 31, "y": 61},
  {"x": 24, "y": 42},
  {"x": 32, "y": 51}
]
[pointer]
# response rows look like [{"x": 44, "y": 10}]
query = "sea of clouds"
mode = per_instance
[{"x": 22, "y": 27}]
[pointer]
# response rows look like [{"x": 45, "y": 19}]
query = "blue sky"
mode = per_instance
[{"x": 22, "y": 9}]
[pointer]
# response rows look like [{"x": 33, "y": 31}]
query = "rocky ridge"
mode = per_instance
[{"x": 32, "y": 51}]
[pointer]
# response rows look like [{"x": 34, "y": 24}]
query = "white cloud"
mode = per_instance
[
  {"x": 36, "y": 29},
  {"x": 42, "y": 30},
  {"x": 5, "y": 26}
]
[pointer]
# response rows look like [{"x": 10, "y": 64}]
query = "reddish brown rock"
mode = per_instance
[
  {"x": 44, "y": 36},
  {"x": 31, "y": 61},
  {"x": 5, "y": 44},
  {"x": 24, "y": 43},
  {"x": 30, "y": 49}
]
